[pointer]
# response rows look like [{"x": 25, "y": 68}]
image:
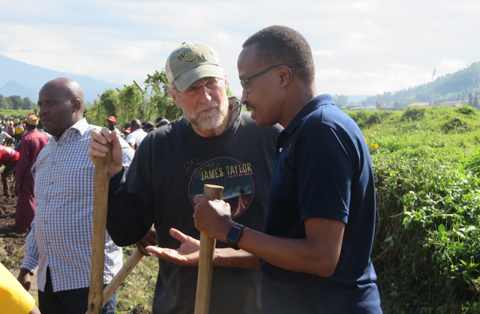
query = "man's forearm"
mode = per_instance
[
  {"x": 316, "y": 254},
  {"x": 235, "y": 258}
]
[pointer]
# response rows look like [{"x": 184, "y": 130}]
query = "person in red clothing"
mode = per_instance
[
  {"x": 9, "y": 158},
  {"x": 32, "y": 143},
  {"x": 10, "y": 129}
]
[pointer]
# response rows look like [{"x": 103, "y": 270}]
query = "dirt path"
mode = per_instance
[{"x": 12, "y": 243}]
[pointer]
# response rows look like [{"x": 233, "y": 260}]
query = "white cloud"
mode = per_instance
[{"x": 359, "y": 47}]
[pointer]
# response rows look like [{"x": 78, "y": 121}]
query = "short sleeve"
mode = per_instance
[{"x": 325, "y": 174}]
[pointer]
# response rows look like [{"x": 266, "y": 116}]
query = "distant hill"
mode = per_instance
[
  {"x": 25, "y": 80},
  {"x": 357, "y": 98},
  {"x": 13, "y": 88},
  {"x": 451, "y": 87}
]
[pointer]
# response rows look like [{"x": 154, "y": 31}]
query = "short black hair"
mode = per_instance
[
  {"x": 136, "y": 123},
  {"x": 283, "y": 45}
]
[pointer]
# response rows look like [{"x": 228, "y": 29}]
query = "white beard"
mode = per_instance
[{"x": 211, "y": 120}]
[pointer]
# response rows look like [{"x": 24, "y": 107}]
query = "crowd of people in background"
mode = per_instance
[{"x": 16, "y": 160}]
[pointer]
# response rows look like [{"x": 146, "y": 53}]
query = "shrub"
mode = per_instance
[
  {"x": 466, "y": 110},
  {"x": 413, "y": 114},
  {"x": 455, "y": 125}
]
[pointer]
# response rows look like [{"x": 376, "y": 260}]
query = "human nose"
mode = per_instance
[
  {"x": 42, "y": 110},
  {"x": 204, "y": 95},
  {"x": 244, "y": 97}
]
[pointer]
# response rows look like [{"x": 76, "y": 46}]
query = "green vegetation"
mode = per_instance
[
  {"x": 16, "y": 113},
  {"x": 16, "y": 103},
  {"x": 135, "y": 295},
  {"x": 426, "y": 164},
  {"x": 133, "y": 102}
]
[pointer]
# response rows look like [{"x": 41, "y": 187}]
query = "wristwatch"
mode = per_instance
[{"x": 234, "y": 235}]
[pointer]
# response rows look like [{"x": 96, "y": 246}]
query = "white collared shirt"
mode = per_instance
[
  {"x": 61, "y": 235},
  {"x": 136, "y": 137}
]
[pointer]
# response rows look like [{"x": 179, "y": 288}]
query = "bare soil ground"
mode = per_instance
[{"x": 12, "y": 242}]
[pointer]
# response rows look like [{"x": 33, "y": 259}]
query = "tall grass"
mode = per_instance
[{"x": 426, "y": 249}]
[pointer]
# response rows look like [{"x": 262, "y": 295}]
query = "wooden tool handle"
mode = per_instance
[
  {"x": 205, "y": 263},
  {"x": 121, "y": 275},
  {"x": 100, "y": 207}
]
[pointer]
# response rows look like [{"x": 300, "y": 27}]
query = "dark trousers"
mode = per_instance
[
  {"x": 18, "y": 138},
  {"x": 7, "y": 171},
  {"x": 68, "y": 301}
]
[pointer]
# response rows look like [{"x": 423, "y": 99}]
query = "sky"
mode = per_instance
[{"x": 359, "y": 47}]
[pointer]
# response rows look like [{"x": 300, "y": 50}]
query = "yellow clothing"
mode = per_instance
[
  {"x": 14, "y": 299},
  {"x": 19, "y": 129}
]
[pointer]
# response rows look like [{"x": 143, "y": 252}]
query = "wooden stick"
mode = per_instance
[
  {"x": 100, "y": 206},
  {"x": 121, "y": 275},
  {"x": 205, "y": 263}
]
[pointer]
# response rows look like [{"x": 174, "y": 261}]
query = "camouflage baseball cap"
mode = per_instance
[{"x": 190, "y": 62}]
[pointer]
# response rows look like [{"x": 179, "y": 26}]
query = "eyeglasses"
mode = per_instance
[
  {"x": 245, "y": 82},
  {"x": 193, "y": 91}
]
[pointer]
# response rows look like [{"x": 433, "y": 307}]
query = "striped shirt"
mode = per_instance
[{"x": 61, "y": 235}]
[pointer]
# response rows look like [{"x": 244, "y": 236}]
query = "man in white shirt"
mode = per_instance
[
  {"x": 4, "y": 135},
  {"x": 137, "y": 135},
  {"x": 59, "y": 245}
]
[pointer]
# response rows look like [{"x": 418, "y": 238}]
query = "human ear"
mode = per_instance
[
  {"x": 76, "y": 105},
  {"x": 285, "y": 75}
]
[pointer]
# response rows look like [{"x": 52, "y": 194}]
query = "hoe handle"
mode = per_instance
[
  {"x": 205, "y": 263},
  {"x": 100, "y": 205}
]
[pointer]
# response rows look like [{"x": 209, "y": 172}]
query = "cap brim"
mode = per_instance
[{"x": 188, "y": 78}]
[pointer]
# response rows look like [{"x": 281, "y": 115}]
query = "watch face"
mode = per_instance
[{"x": 234, "y": 235}]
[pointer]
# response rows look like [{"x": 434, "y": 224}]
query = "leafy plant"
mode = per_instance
[{"x": 428, "y": 201}]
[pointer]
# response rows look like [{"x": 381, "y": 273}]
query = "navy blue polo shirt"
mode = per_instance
[{"x": 323, "y": 169}]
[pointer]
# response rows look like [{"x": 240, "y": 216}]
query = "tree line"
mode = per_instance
[
  {"x": 145, "y": 103},
  {"x": 135, "y": 102},
  {"x": 16, "y": 103}
]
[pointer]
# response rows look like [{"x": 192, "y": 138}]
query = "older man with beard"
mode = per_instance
[{"x": 213, "y": 142}]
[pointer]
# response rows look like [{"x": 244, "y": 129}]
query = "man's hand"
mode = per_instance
[
  {"x": 212, "y": 217},
  {"x": 24, "y": 278},
  {"x": 186, "y": 255},
  {"x": 149, "y": 239},
  {"x": 17, "y": 187},
  {"x": 98, "y": 148}
]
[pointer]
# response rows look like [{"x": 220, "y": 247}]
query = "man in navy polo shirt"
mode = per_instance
[{"x": 315, "y": 252}]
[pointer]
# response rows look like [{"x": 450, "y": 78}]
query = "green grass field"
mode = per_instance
[{"x": 15, "y": 113}]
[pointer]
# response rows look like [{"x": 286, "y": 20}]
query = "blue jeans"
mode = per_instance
[{"x": 69, "y": 301}]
